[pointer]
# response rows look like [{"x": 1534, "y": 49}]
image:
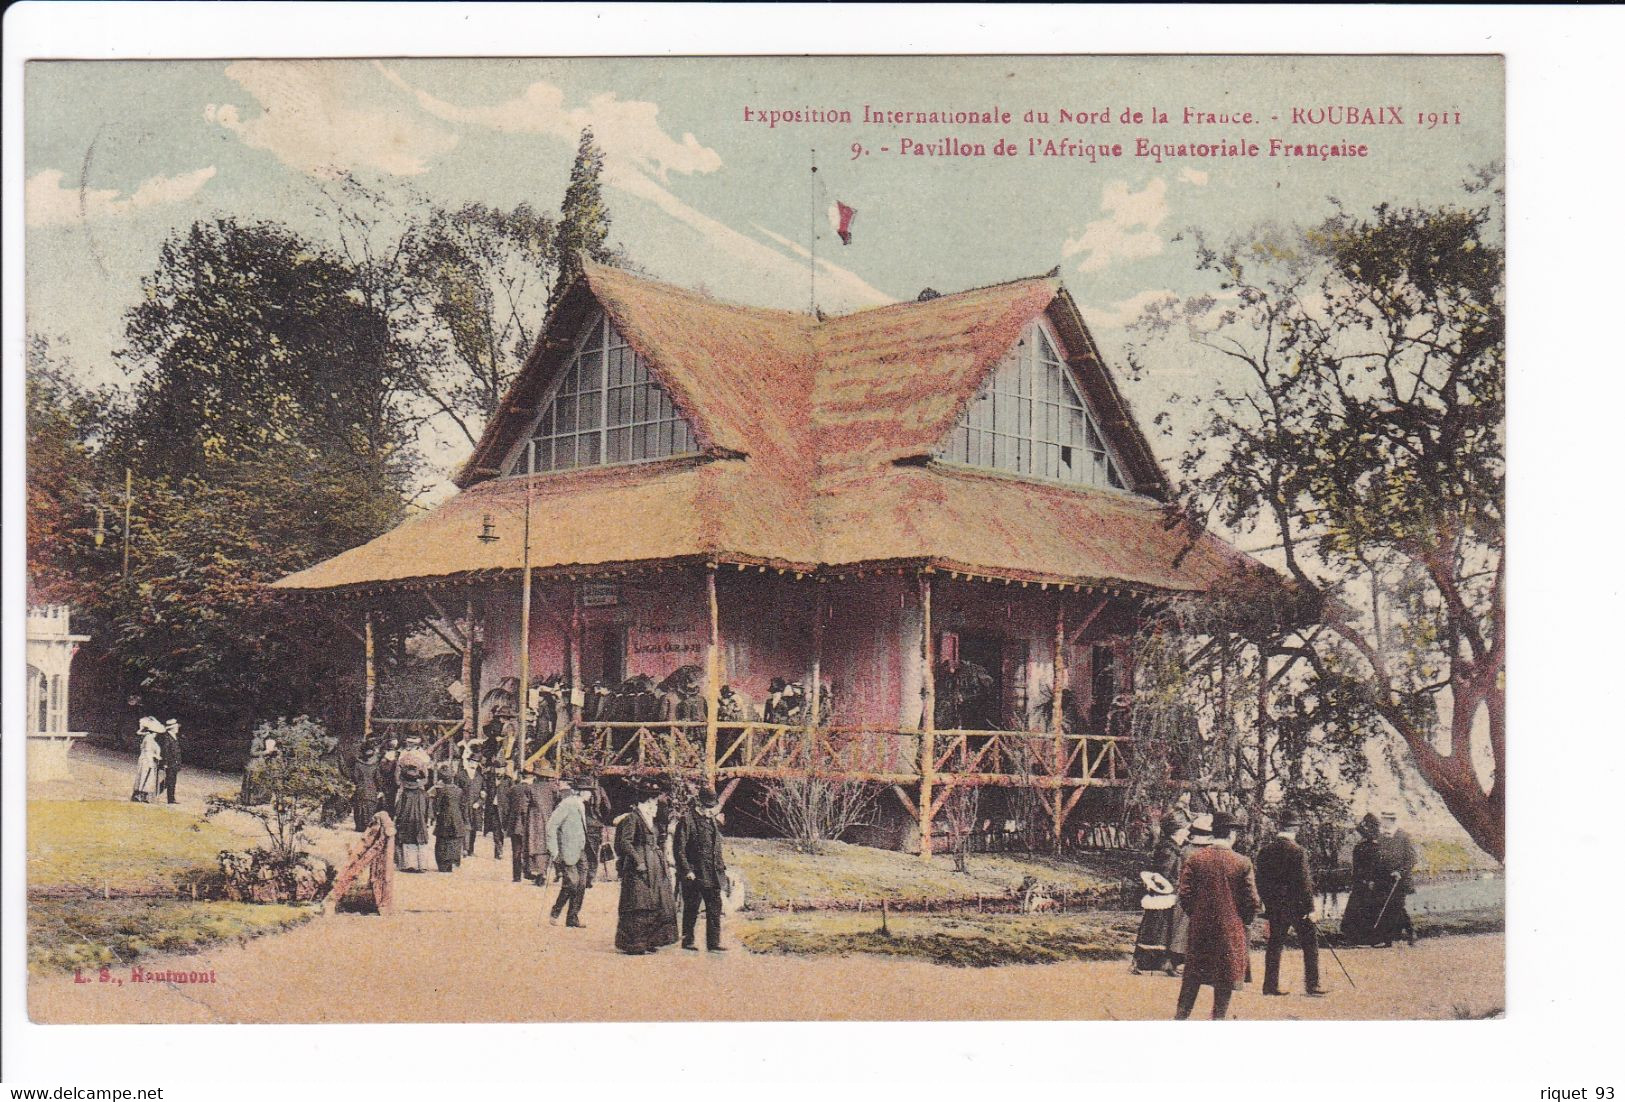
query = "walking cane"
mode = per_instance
[
  {"x": 1376, "y": 923},
  {"x": 1341, "y": 965}
]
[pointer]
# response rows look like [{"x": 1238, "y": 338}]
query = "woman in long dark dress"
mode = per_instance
[
  {"x": 1364, "y": 906},
  {"x": 411, "y": 813},
  {"x": 648, "y": 909},
  {"x": 1160, "y": 942},
  {"x": 364, "y": 775},
  {"x": 446, "y": 807}
]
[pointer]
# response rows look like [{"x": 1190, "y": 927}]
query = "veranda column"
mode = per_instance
[
  {"x": 1057, "y": 711},
  {"x": 371, "y": 693},
  {"x": 713, "y": 675},
  {"x": 470, "y": 705},
  {"x": 928, "y": 722}
]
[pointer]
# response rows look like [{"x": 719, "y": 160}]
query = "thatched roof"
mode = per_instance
[{"x": 815, "y": 437}]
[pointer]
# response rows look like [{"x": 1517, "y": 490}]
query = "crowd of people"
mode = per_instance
[
  {"x": 1202, "y": 896},
  {"x": 665, "y": 851}
]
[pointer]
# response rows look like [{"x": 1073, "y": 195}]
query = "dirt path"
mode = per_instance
[{"x": 473, "y": 946}]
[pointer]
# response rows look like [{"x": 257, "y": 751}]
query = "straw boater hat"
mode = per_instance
[
  {"x": 1156, "y": 883},
  {"x": 1202, "y": 830}
]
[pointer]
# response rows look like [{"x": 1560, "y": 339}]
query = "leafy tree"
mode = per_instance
[
  {"x": 1360, "y": 425},
  {"x": 300, "y": 779},
  {"x": 63, "y": 422},
  {"x": 251, "y": 340},
  {"x": 583, "y": 228},
  {"x": 480, "y": 275},
  {"x": 264, "y": 433}
]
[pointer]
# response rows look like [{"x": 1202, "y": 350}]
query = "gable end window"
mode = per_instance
[
  {"x": 1029, "y": 419},
  {"x": 606, "y": 409}
]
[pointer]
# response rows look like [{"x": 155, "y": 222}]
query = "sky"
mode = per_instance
[
  {"x": 119, "y": 155},
  {"x": 705, "y": 193}
]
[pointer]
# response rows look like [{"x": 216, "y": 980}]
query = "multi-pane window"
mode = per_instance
[
  {"x": 606, "y": 409},
  {"x": 1029, "y": 419}
]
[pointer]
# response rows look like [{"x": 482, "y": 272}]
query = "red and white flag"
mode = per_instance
[{"x": 841, "y": 217}]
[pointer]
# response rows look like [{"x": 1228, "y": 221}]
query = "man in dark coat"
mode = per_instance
[
  {"x": 516, "y": 804},
  {"x": 701, "y": 871},
  {"x": 648, "y": 910},
  {"x": 1217, "y": 890},
  {"x": 497, "y": 786},
  {"x": 472, "y": 777},
  {"x": 169, "y": 756},
  {"x": 1288, "y": 891},
  {"x": 446, "y": 800}
]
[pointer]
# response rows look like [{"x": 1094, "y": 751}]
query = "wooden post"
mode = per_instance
[
  {"x": 371, "y": 694},
  {"x": 470, "y": 705},
  {"x": 1057, "y": 711},
  {"x": 820, "y": 612},
  {"x": 523, "y": 672},
  {"x": 575, "y": 647},
  {"x": 928, "y": 722},
  {"x": 713, "y": 674}
]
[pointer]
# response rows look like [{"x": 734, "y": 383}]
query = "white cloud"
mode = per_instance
[
  {"x": 47, "y": 203},
  {"x": 1129, "y": 230},
  {"x": 628, "y": 131},
  {"x": 639, "y": 159},
  {"x": 1125, "y": 311},
  {"x": 310, "y": 121},
  {"x": 1193, "y": 176}
]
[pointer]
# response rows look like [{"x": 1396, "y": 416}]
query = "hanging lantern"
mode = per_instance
[{"x": 101, "y": 526}]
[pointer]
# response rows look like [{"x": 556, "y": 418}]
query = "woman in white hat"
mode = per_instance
[{"x": 146, "y": 761}]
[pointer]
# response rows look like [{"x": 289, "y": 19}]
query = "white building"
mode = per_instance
[{"x": 50, "y": 652}]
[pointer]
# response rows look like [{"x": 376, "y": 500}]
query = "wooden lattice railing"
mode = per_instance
[{"x": 889, "y": 755}]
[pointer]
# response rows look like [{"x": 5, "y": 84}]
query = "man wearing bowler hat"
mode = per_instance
[
  {"x": 1217, "y": 890},
  {"x": 701, "y": 871},
  {"x": 1288, "y": 891}
]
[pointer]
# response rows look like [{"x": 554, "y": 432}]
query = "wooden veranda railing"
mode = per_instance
[{"x": 881, "y": 754}]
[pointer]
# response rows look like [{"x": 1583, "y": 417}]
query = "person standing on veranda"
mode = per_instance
[
  {"x": 1218, "y": 892},
  {"x": 567, "y": 842},
  {"x": 702, "y": 873},
  {"x": 1288, "y": 891}
]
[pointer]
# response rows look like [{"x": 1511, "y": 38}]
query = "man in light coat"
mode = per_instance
[{"x": 567, "y": 842}]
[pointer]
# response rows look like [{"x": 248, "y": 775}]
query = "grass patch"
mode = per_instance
[
  {"x": 64, "y": 934},
  {"x": 966, "y": 941},
  {"x": 92, "y": 846},
  {"x": 80, "y": 851},
  {"x": 1481, "y": 920},
  {"x": 982, "y": 941},
  {"x": 777, "y": 877}
]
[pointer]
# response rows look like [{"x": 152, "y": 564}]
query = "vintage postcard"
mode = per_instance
[{"x": 765, "y": 538}]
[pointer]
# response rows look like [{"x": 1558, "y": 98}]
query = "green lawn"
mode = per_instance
[
  {"x": 97, "y": 846},
  {"x": 104, "y": 884},
  {"x": 777, "y": 877},
  {"x": 975, "y": 940},
  {"x": 71, "y": 933}
]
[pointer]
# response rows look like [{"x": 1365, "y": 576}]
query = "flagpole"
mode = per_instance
[{"x": 812, "y": 234}]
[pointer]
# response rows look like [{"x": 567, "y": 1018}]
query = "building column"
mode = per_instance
[
  {"x": 470, "y": 705},
  {"x": 928, "y": 721},
  {"x": 713, "y": 674},
  {"x": 1057, "y": 711},
  {"x": 370, "y": 695}
]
